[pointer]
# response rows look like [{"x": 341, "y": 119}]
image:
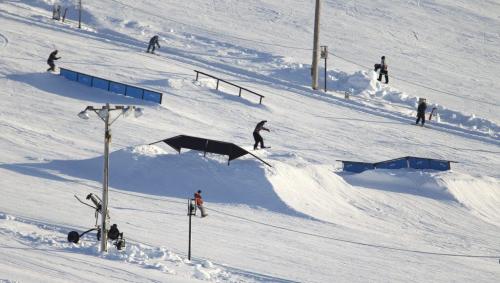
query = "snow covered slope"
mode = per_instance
[{"x": 302, "y": 220}]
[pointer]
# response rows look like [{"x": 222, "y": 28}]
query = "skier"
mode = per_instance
[
  {"x": 153, "y": 42},
  {"x": 422, "y": 106},
  {"x": 383, "y": 70},
  {"x": 50, "y": 61},
  {"x": 199, "y": 203},
  {"x": 256, "y": 135}
]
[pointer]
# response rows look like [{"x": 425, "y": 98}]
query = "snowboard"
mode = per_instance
[
  {"x": 266, "y": 147},
  {"x": 424, "y": 126},
  {"x": 152, "y": 53}
]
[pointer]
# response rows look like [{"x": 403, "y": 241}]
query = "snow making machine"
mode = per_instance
[{"x": 113, "y": 233}]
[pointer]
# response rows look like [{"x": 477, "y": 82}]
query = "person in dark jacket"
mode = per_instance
[
  {"x": 383, "y": 70},
  {"x": 256, "y": 134},
  {"x": 199, "y": 203},
  {"x": 50, "y": 61},
  {"x": 422, "y": 106},
  {"x": 153, "y": 42}
]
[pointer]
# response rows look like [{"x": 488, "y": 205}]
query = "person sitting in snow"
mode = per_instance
[
  {"x": 199, "y": 203},
  {"x": 256, "y": 134},
  {"x": 153, "y": 42},
  {"x": 50, "y": 61},
  {"x": 383, "y": 70},
  {"x": 422, "y": 106}
]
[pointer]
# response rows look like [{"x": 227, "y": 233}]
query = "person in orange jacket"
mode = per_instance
[{"x": 199, "y": 203}]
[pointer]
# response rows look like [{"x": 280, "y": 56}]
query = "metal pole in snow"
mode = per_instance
[
  {"x": 325, "y": 76},
  {"x": 190, "y": 214}
]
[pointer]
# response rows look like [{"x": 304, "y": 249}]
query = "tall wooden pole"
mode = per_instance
[
  {"x": 105, "y": 184},
  {"x": 79, "y": 14},
  {"x": 316, "y": 53}
]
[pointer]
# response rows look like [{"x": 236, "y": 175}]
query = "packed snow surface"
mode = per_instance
[{"x": 302, "y": 219}]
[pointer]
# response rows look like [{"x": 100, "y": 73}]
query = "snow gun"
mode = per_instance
[{"x": 113, "y": 233}]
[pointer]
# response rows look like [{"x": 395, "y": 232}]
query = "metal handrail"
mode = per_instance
[{"x": 229, "y": 83}]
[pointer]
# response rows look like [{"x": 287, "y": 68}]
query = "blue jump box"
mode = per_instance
[
  {"x": 104, "y": 84},
  {"x": 398, "y": 163}
]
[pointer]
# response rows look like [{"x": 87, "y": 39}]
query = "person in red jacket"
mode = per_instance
[{"x": 199, "y": 203}]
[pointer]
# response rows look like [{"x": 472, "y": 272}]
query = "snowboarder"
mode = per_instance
[
  {"x": 50, "y": 61},
  {"x": 56, "y": 12},
  {"x": 422, "y": 106},
  {"x": 199, "y": 203},
  {"x": 153, "y": 42},
  {"x": 256, "y": 135},
  {"x": 383, "y": 70}
]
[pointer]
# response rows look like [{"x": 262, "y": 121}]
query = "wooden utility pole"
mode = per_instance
[
  {"x": 79, "y": 14},
  {"x": 316, "y": 53},
  {"x": 105, "y": 182}
]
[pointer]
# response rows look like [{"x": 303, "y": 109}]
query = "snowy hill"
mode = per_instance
[{"x": 301, "y": 220}]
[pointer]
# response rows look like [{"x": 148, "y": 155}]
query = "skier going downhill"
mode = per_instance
[
  {"x": 256, "y": 134},
  {"x": 50, "y": 61},
  {"x": 422, "y": 106},
  {"x": 383, "y": 70},
  {"x": 153, "y": 42}
]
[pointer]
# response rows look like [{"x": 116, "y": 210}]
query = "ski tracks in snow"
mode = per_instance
[{"x": 4, "y": 41}]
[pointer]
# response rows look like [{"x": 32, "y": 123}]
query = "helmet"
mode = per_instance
[
  {"x": 199, "y": 191},
  {"x": 383, "y": 57}
]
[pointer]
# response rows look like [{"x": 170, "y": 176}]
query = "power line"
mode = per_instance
[
  {"x": 305, "y": 49},
  {"x": 355, "y": 242},
  {"x": 318, "y": 235},
  {"x": 418, "y": 84}
]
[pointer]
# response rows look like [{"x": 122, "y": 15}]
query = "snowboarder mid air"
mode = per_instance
[
  {"x": 383, "y": 70},
  {"x": 199, "y": 203},
  {"x": 422, "y": 106},
  {"x": 50, "y": 61},
  {"x": 153, "y": 42},
  {"x": 256, "y": 134}
]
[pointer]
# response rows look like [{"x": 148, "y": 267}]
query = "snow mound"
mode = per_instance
[
  {"x": 370, "y": 92},
  {"x": 47, "y": 237},
  {"x": 421, "y": 183},
  {"x": 481, "y": 195}
]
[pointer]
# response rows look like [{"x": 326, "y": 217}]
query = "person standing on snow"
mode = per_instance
[
  {"x": 256, "y": 134},
  {"x": 153, "y": 42},
  {"x": 199, "y": 203},
  {"x": 383, "y": 70},
  {"x": 50, "y": 61},
  {"x": 422, "y": 106}
]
